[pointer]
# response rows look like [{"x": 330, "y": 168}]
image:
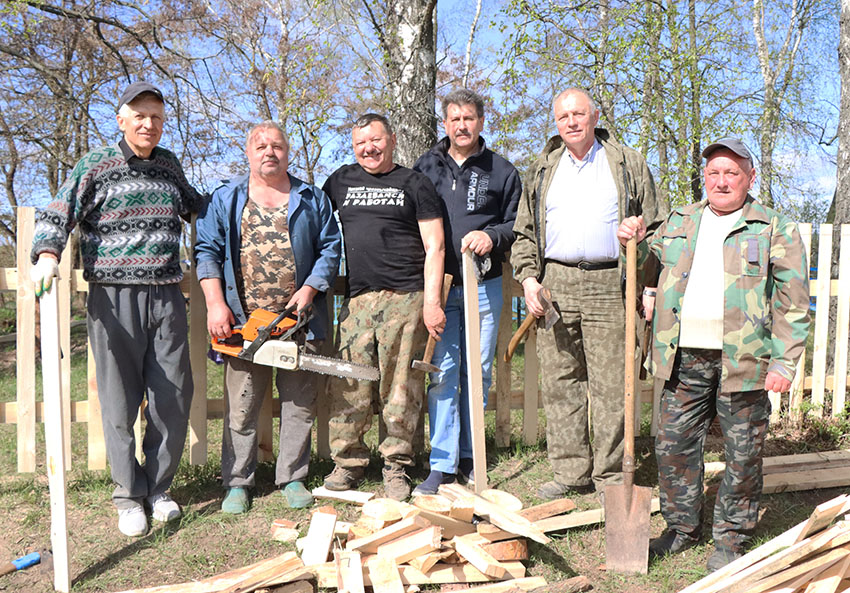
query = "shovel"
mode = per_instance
[{"x": 626, "y": 505}]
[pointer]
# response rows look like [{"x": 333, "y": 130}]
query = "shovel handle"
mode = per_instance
[{"x": 629, "y": 391}]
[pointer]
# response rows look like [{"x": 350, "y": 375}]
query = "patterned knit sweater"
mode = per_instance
[{"x": 127, "y": 209}]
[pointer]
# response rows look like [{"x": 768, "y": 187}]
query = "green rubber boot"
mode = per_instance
[
  {"x": 235, "y": 501},
  {"x": 297, "y": 496}
]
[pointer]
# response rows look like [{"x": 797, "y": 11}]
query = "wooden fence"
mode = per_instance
[{"x": 26, "y": 412}]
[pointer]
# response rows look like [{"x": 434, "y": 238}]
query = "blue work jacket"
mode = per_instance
[{"x": 313, "y": 231}]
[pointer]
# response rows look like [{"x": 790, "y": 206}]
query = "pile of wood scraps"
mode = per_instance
[
  {"x": 394, "y": 546},
  {"x": 807, "y": 471},
  {"x": 812, "y": 557}
]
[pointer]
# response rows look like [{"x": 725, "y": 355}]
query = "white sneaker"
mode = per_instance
[
  {"x": 163, "y": 507},
  {"x": 132, "y": 522}
]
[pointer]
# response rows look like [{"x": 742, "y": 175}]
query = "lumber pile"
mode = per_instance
[
  {"x": 811, "y": 557},
  {"x": 286, "y": 568},
  {"x": 807, "y": 471},
  {"x": 432, "y": 541}
]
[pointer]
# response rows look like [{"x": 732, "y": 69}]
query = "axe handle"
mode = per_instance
[
  {"x": 517, "y": 337},
  {"x": 432, "y": 343}
]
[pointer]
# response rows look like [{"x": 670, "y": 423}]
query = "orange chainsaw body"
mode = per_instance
[{"x": 260, "y": 318}]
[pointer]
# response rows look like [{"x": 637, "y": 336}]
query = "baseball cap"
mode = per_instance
[
  {"x": 730, "y": 143},
  {"x": 137, "y": 88}
]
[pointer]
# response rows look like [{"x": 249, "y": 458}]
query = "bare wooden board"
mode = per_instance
[
  {"x": 829, "y": 579},
  {"x": 787, "y": 463},
  {"x": 319, "y": 537},
  {"x": 548, "y": 509},
  {"x": 504, "y": 500},
  {"x": 477, "y": 557},
  {"x": 451, "y": 527},
  {"x": 427, "y": 561},
  {"x": 352, "y": 572},
  {"x": 384, "y": 577},
  {"x": 501, "y": 518},
  {"x": 524, "y": 584},
  {"x": 807, "y": 480},
  {"x": 473, "y": 371},
  {"x": 370, "y": 543},
  {"x": 410, "y": 546},
  {"x": 824, "y": 514},
  {"x": 440, "y": 573},
  {"x": 462, "y": 509},
  {"x": 582, "y": 518},
  {"x": 354, "y": 496},
  {"x": 772, "y": 579}
]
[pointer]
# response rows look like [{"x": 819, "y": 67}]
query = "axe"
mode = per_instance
[
  {"x": 550, "y": 316},
  {"x": 425, "y": 363}
]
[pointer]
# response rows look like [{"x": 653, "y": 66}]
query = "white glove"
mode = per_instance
[{"x": 43, "y": 273}]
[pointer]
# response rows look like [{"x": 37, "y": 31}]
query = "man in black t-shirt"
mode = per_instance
[{"x": 393, "y": 233}]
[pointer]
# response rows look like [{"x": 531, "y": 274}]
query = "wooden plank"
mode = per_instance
[
  {"x": 531, "y": 373},
  {"x": 370, "y": 543},
  {"x": 478, "y": 558},
  {"x": 451, "y": 527},
  {"x": 410, "y": 546},
  {"x": 582, "y": 518},
  {"x": 829, "y": 579},
  {"x": 795, "y": 398},
  {"x": 842, "y": 324},
  {"x": 54, "y": 436},
  {"x": 821, "y": 318},
  {"x": 772, "y": 579},
  {"x": 503, "y": 369},
  {"x": 355, "y": 496},
  {"x": 548, "y": 509},
  {"x": 427, "y": 561},
  {"x": 319, "y": 538},
  {"x": 441, "y": 573},
  {"x": 198, "y": 346},
  {"x": 822, "y": 515},
  {"x": 25, "y": 343},
  {"x": 806, "y": 480},
  {"x": 791, "y": 463},
  {"x": 473, "y": 372},
  {"x": 352, "y": 572},
  {"x": 462, "y": 509},
  {"x": 384, "y": 577},
  {"x": 504, "y": 500},
  {"x": 501, "y": 518},
  {"x": 96, "y": 444},
  {"x": 524, "y": 584},
  {"x": 64, "y": 302}
]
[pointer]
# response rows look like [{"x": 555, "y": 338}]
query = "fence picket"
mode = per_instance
[
  {"x": 25, "y": 344},
  {"x": 823, "y": 285},
  {"x": 842, "y": 326}
]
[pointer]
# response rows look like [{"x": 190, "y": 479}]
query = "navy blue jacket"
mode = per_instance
[{"x": 482, "y": 194}]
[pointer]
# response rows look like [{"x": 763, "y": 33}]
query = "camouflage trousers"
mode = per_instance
[
  {"x": 584, "y": 351},
  {"x": 689, "y": 402},
  {"x": 381, "y": 328}
]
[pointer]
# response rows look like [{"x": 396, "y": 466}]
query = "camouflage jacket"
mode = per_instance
[
  {"x": 635, "y": 191},
  {"x": 766, "y": 319}
]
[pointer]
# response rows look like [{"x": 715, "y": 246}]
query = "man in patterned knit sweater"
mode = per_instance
[{"x": 128, "y": 199}]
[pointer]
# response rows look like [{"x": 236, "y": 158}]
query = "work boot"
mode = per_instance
[
  {"x": 465, "y": 473},
  {"x": 297, "y": 496},
  {"x": 721, "y": 557},
  {"x": 432, "y": 483},
  {"x": 670, "y": 542},
  {"x": 236, "y": 501},
  {"x": 396, "y": 482},
  {"x": 132, "y": 521},
  {"x": 344, "y": 478},
  {"x": 554, "y": 489},
  {"x": 163, "y": 508}
]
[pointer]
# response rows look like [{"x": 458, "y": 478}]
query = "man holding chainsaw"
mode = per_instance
[
  {"x": 576, "y": 193},
  {"x": 393, "y": 228},
  {"x": 266, "y": 241},
  {"x": 732, "y": 318},
  {"x": 479, "y": 191},
  {"x": 128, "y": 199}
]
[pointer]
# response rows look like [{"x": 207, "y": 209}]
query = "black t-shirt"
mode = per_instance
[{"x": 379, "y": 216}]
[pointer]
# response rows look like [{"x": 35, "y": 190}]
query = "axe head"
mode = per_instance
[
  {"x": 550, "y": 315},
  {"x": 421, "y": 365}
]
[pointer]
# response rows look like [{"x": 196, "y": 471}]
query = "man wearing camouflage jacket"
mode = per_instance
[{"x": 731, "y": 321}]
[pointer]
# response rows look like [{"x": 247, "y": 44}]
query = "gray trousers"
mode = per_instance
[
  {"x": 139, "y": 338},
  {"x": 246, "y": 385},
  {"x": 584, "y": 350}
]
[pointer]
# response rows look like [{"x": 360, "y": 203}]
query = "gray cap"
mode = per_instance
[
  {"x": 136, "y": 89},
  {"x": 733, "y": 144}
]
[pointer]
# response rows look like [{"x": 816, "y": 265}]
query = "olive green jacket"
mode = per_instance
[
  {"x": 635, "y": 190},
  {"x": 766, "y": 300}
]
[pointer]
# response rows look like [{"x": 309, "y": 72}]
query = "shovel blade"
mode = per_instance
[{"x": 627, "y": 528}]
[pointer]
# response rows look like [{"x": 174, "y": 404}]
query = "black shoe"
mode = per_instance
[
  {"x": 720, "y": 558},
  {"x": 670, "y": 542},
  {"x": 431, "y": 485},
  {"x": 465, "y": 473}
]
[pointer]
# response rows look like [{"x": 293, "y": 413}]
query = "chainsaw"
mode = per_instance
[{"x": 278, "y": 340}]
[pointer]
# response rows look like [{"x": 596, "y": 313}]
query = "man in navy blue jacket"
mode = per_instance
[{"x": 479, "y": 191}]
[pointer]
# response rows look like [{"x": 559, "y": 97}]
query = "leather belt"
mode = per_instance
[{"x": 586, "y": 265}]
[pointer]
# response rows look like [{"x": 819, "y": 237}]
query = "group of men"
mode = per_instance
[{"x": 724, "y": 283}]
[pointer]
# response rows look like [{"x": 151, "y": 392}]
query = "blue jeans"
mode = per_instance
[{"x": 448, "y": 393}]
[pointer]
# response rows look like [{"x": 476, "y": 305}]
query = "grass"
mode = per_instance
[{"x": 206, "y": 542}]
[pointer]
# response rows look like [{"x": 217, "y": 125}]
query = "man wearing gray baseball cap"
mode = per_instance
[
  {"x": 730, "y": 323},
  {"x": 127, "y": 199}
]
